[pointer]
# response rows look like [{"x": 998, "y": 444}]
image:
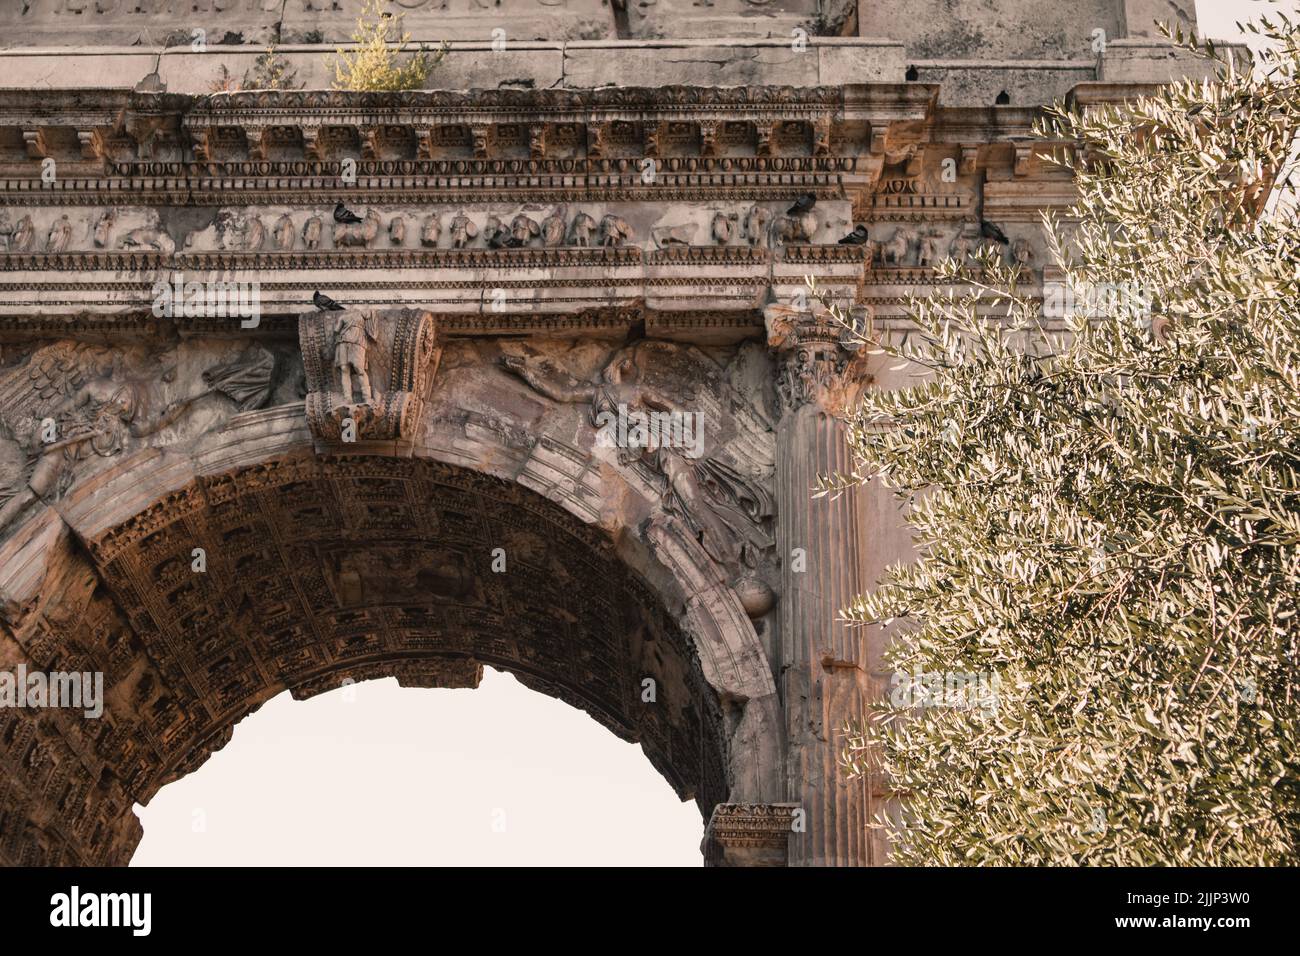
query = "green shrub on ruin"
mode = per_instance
[{"x": 381, "y": 60}]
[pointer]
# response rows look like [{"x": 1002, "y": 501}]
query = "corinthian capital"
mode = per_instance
[{"x": 820, "y": 362}]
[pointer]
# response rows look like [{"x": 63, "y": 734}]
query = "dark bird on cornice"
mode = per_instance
[
  {"x": 802, "y": 205},
  {"x": 990, "y": 230},
  {"x": 858, "y": 237},
  {"x": 501, "y": 239},
  {"x": 345, "y": 215},
  {"x": 325, "y": 303}
]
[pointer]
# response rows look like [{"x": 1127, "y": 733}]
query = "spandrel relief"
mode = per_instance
[
  {"x": 673, "y": 409},
  {"x": 69, "y": 405}
]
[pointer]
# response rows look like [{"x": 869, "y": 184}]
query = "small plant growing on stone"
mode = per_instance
[
  {"x": 376, "y": 64},
  {"x": 270, "y": 71}
]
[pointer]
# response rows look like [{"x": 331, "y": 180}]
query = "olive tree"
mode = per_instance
[{"x": 1103, "y": 487}]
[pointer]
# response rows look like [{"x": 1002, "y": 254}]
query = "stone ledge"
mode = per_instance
[
  {"x": 542, "y": 65},
  {"x": 1155, "y": 61},
  {"x": 585, "y": 65}
]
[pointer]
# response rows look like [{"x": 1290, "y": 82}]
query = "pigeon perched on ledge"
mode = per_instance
[
  {"x": 325, "y": 303},
  {"x": 858, "y": 237},
  {"x": 802, "y": 205},
  {"x": 343, "y": 214}
]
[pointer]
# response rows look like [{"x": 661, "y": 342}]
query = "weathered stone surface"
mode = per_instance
[
  {"x": 746, "y": 834},
  {"x": 1006, "y": 31},
  {"x": 262, "y": 22},
  {"x": 490, "y": 280}
]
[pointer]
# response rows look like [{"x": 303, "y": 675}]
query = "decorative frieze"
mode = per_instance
[{"x": 749, "y": 834}]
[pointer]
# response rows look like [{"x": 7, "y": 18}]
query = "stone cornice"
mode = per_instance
[
  {"x": 325, "y": 107},
  {"x": 254, "y": 129}
]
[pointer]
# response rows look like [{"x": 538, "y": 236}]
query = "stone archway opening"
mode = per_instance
[
  {"x": 306, "y": 572},
  {"x": 374, "y": 774}
]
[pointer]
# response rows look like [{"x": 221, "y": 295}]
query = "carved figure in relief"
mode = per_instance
[
  {"x": 674, "y": 235},
  {"x": 397, "y": 230},
  {"x": 149, "y": 236},
  {"x": 104, "y": 229},
  {"x": 756, "y": 224},
  {"x": 230, "y": 229},
  {"x": 960, "y": 247},
  {"x": 253, "y": 234},
  {"x": 821, "y": 131},
  {"x": 929, "y": 252},
  {"x": 311, "y": 232},
  {"x": 247, "y": 380},
  {"x": 6, "y": 229},
  {"x": 537, "y": 141},
  {"x": 724, "y": 227},
  {"x": 463, "y": 230},
  {"x": 614, "y": 231},
  {"x": 431, "y": 231},
  {"x": 895, "y": 250},
  {"x": 797, "y": 228},
  {"x": 722, "y": 501},
  {"x": 554, "y": 227},
  {"x": 1022, "y": 253},
  {"x": 708, "y": 138},
  {"x": 357, "y": 234},
  {"x": 524, "y": 229},
  {"x": 498, "y": 236},
  {"x": 70, "y": 400},
  {"x": 353, "y": 333},
  {"x": 583, "y": 227},
  {"x": 59, "y": 236},
  {"x": 24, "y": 233},
  {"x": 284, "y": 233}
]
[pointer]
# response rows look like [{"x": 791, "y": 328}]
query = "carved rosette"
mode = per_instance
[
  {"x": 819, "y": 360},
  {"x": 398, "y": 349}
]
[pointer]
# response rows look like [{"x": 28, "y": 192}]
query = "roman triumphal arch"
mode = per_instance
[{"x": 558, "y": 407}]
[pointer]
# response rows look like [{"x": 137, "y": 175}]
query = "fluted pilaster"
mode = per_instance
[{"x": 823, "y": 676}]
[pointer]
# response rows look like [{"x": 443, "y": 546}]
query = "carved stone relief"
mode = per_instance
[
  {"x": 720, "y": 485},
  {"x": 368, "y": 372},
  {"x": 70, "y": 403}
]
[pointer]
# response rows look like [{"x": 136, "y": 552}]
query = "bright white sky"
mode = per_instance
[
  {"x": 407, "y": 776},
  {"x": 499, "y": 775}
]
